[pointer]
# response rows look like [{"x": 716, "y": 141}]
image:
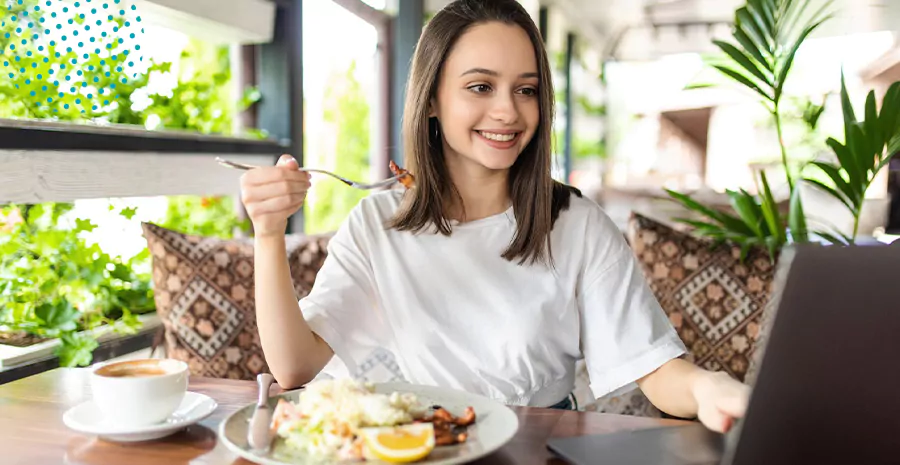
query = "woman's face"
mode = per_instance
[{"x": 487, "y": 97}]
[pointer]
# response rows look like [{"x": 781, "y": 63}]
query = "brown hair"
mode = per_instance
[{"x": 537, "y": 199}]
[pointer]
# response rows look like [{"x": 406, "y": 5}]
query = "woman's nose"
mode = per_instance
[{"x": 504, "y": 110}]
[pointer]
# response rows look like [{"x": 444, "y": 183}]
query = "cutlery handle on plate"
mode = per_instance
[{"x": 264, "y": 381}]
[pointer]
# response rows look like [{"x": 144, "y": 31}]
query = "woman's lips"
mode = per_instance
[{"x": 490, "y": 138}]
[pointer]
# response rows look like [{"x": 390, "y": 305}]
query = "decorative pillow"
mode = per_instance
[
  {"x": 204, "y": 291},
  {"x": 714, "y": 299}
]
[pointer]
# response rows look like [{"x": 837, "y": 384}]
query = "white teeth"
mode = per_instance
[{"x": 497, "y": 137}]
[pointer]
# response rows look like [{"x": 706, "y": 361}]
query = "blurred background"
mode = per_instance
[{"x": 641, "y": 108}]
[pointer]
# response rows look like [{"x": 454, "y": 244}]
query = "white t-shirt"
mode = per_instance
[{"x": 456, "y": 314}]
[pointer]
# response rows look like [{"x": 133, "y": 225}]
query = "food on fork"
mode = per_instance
[
  {"x": 347, "y": 420},
  {"x": 408, "y": 181}
]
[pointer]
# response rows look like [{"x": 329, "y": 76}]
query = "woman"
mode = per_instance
[{"x": 487, "y": 276}]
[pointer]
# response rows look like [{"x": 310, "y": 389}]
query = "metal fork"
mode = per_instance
[{"x": 358, "y": 185}]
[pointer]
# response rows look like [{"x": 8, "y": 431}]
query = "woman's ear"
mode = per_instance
[{"x": 432, "y": 108}]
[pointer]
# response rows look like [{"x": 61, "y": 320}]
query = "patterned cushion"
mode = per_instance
[
  {"x": 204, "y": 290},
  {"x": 713, "y": 299}
]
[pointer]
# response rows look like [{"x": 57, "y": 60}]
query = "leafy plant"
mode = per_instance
[
  {"x": 204, "y": 216},
  {"x": 107, "y": 86},
  {"x": 55, "y": 285},
  {"x": 347, "y": 110},
  {"x": 868, "y": 147},
  {"x": 767, "y": 35}
]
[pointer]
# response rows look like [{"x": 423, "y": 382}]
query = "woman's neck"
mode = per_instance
[{"x": 483, "y": 192}]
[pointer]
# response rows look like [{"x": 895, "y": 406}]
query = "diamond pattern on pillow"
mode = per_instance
[
  {"x": 203, "y": 289},
  {"x": 714, "y": 300}
]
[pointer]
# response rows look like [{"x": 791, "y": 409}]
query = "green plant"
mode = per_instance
[
  {"x": 109, "y": 86},
  {"x": 204, "y": 216},
  {"x": 201, "y": 100},
  {"x": 347, "y": 110},
  {"x": 767, "y": 35},
  {"x": 55, "y": 285},
  {"x": 868, "y": 147}
]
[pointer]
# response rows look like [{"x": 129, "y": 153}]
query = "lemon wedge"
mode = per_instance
[{"x": 400, "y": 444}]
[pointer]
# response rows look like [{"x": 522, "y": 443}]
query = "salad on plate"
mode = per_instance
[{"x": 347, "y": 420}]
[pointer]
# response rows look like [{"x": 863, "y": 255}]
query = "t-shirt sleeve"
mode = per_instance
[
  {"x": 625, "y": 334},
  {"x": 342, "y": 306}
]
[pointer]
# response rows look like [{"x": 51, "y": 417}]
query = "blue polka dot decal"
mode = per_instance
[{"x": 70, "y": 56}]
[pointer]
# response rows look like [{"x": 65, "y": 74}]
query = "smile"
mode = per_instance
[{"x": 498, "y": 137}]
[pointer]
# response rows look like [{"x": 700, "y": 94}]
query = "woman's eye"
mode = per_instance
[
  {"x": 480, "y": 88},
  {"x": 530, "y": 91}
]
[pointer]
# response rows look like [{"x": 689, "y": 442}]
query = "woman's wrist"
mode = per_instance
[
  {"x": 701, "y": 384},
  {"x": 269, "y": 240}
]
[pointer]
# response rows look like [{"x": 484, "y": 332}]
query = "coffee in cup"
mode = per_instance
[{"x": 139, "y": 392}]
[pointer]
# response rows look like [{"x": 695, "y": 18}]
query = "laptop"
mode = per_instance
[{"x": 828, "y": 387}]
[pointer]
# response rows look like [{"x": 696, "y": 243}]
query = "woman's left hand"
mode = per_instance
[{"x": 720, "y": 400}]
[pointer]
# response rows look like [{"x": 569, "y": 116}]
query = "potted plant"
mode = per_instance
[{"x": 767, "y": 35}]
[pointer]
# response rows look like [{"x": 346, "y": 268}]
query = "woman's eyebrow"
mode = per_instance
[{"x": 491, "y": 72}]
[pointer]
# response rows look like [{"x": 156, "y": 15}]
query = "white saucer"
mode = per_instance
[{"x": 86, "y": 418}]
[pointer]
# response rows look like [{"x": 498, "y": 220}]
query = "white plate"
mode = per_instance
[
  {"x": 494, "y": 426},
  {"x": 86, "y": 418}
]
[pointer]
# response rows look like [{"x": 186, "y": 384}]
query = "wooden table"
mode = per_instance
[{"x": 32, "y": 431}]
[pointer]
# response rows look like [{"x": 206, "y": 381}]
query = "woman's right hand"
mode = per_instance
[{"x": 271, "y": 194}]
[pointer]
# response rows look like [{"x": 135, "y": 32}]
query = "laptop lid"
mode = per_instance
[{"x": 828, "y": 389}]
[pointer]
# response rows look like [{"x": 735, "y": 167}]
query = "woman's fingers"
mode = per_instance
[
  {"x": 275, "y": 189},
  {"x": 734, "y": 401},
  {"x": 286, "y": 204},
  {"x": 285, "y": 170},
  {"x": 714, "y": 419}
]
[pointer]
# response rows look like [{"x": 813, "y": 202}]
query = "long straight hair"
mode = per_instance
[{"x": 536, "y": 198}]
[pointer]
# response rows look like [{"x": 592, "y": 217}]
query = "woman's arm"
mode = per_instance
[
  {"x": 684, "y": 390},
  {"x": 294, "y": 353}
]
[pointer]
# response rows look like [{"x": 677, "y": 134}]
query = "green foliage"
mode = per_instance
[
  {"x": 869, "y": 145},
  {"x": 204, "y": 216},
  {"x": 767, "y": 35},
  {"x": 348, "y": 110},
  {"x": 54, "y": 284},
  {"x": 201, "y": 101},
  {"x": 104, "y": 97}
]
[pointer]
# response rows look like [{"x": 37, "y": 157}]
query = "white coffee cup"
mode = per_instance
[{"x": 139, "y": 392}]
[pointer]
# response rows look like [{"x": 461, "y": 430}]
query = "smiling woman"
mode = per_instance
[{"x": 483, "y": 90}]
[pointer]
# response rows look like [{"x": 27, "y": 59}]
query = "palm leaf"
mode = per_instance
[
  {"x": 845, "y": 158},
  {"x": 872, "y": 128},
  {"x": 785, "y": 66},
  {"x": 770, "y": 211},
  {"x": 889, "y": 119},
  {"x": 751, "y": 47},
  {"x": 764, "y": 8},
  {"x": 743, "y": 60},
  {"x": 743, "y": 80},
  {"x": 729, "y": 222},
  {"x": 860, "y": 154},
  {"x": 832, "y": 238},
  {"x": 834, "y": 173},
  {"x": 830, "y": 191},
  {"x": 744, "y": 20},
  {"x": 754, "y": 7},
  {"x": 747, "y": 209},
  {"x": 846, "y": 107},
  {"x": 797, "y": 218}
]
